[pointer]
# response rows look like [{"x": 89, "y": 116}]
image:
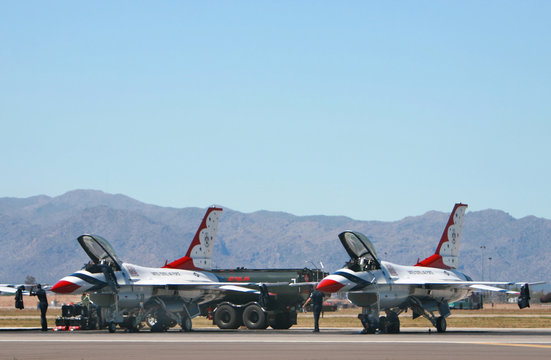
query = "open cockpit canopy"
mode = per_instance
[
  {"x": 99, "y": 250},
  {"x": 360, "y": 249}
]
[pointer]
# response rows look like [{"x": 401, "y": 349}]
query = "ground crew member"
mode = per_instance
[
  {"x": 316, "y": 297},
  {"x": 264, "y": 297},
  {"x": 19, "y": 298},
  {"x": 85, "y": 301},
  {"x": 42, "y": 304}
]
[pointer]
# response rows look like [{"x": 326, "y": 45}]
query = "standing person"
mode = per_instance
[
  {"x": 316, "y": 297},
  {"x": 264, "y": 297},
  {"x": 85, "y": 301},
  {"x": 42, "y": 304},
  {"x": 19, "y": 297}
]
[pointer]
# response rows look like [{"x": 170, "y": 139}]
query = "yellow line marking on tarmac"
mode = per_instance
[{"x": 541, "y": 346}]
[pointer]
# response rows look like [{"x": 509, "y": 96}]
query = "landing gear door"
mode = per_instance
[
  {"x": 99, "y": 250},
  {"x": 358, "y": 246}
]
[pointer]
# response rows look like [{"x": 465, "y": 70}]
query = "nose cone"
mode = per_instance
[
  {"x": 329, "y": 285},
  {"x": 65, "y": 287}
]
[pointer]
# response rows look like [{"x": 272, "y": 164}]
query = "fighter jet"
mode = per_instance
[
  {"x": 429, "y": 286},
  {"x": 130, "y": 295}
]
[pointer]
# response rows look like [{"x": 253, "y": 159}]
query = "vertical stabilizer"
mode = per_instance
[
  {"x": 446, "y": 254},
  {"x": 198, "y": 256}
]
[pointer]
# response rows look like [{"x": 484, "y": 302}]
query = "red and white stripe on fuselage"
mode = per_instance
[
  {"x": 345, "y": 280},
  {"x": 340, "y": 281},
  {"x": 83, "y": 281},
  {"x": 79, "y": 282}
]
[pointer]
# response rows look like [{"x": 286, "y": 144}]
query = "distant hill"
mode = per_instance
[{"x": 38, "y": 237}]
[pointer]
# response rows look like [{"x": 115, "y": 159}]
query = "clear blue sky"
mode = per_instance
[{"x": 374, "y": 110}]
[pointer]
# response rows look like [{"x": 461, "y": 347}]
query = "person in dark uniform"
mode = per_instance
[
  {"x": 19, "y": 298},
  {"x": 264, "y": 297},
  {"x": 42, "y": 304},
  {"x": 316, "y": 297}
]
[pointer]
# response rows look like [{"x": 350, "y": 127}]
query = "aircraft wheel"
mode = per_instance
[
  {"x": 112, "y": 327},
  {"x": 369, "y": 330},
  {"x": 186, "y": 324},
  {"x": 131, "y": 324},
  {"x": 254, "y": 317},
  {"x": 225, "y": 317},
  {"x": 384, "y": 325},
  {"x": 393, "y": 323},
  {"x": 441, "y": 324},
  {"x": 150, "y": 320},
  {"x": 159, "y": 327},
  {"x": 369, "y": 322},
  {"x": 394, "y": 327}
]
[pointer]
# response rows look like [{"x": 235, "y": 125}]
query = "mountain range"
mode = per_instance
[{"x": 38, "y": 237}]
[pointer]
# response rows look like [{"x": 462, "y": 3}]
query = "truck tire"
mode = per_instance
[
  {"x": 225, "y": 317},
  {"x": 254, "y": 317}
]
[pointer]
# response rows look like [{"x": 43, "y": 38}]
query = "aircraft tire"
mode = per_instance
[
  {"x": 393, "y": 326},
  {"x": 150, "y": 320},
  {"x": 159, "y": 322},
  {"x": 112, "y": 327},
  {"x": 368, "y": 323},
  {"x": 186, "y": 324},
  {"x": 254, "y": 317},
  {"x": 160, "y": 327},
  {"x": 441, "y": 324},
  {"x": 384, "y": 325},
  {"x": 131, "y": 325},
  {"x": 225, "y": 317}
]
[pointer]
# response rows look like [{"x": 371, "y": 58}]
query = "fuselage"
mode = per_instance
[
  {"x": 393, "y": 284},
  {"x": 135, "y": 279}
]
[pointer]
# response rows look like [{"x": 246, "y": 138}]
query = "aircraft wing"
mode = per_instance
[
  {"x": 478, "y": 285},
  {"x": 238, "y": 289},
  {"x": 215, "y": 286},
  {"x": 492, "y": 288},
  {"x": 11, "y": 289},
  {"x": 490, "y": 283},
  {"x": 488, "y": 287},
  {"x": 309, "y": 283}
]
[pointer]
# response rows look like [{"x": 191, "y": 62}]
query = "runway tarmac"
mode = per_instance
[{"x": 296, "y": 343}]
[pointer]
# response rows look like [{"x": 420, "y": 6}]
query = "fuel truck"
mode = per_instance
[{"x": 274, "y": 306}]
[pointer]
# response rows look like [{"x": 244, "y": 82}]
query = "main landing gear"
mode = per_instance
[
  {"x": 389, "y": 324},
  {"x": 439, "y": 322}
]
